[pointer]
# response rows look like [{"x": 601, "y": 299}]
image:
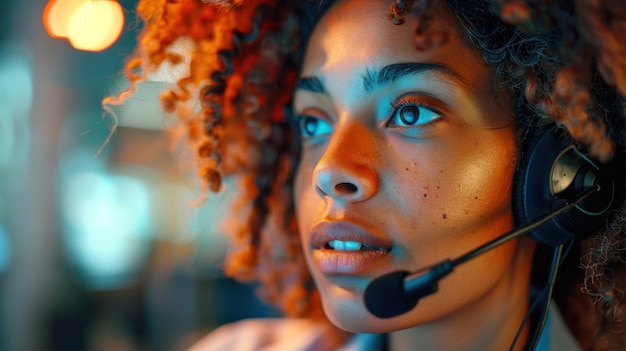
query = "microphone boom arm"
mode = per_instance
[
  {"x": 562, "y": 207},
  {"x": 401, "y": 290}
]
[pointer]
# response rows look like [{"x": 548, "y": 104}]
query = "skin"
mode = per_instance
[{"x": 425, "y": 193}]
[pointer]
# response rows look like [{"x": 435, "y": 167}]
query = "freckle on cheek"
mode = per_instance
[{"x": 444, "y": 216}]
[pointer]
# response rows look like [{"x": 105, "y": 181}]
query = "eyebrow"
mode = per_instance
[
  {"x": 312, "y": 84},
  {"x": 378, "y": 77}
]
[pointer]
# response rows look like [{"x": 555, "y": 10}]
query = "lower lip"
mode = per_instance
[{"x": 347, "y": 262}]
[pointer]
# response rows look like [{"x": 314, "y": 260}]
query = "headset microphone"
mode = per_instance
[
  {"x": 553, "y": 177},
  {"x": 399, "y": 292}
]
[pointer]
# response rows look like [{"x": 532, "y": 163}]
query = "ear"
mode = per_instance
[{"x": 553, "y": 169}]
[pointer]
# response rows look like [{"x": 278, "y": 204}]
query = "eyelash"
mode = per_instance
[
  {"x": 299, "y": 121},
  {"x": 426, "y": 114},
  {"x": 412, "y": 101}
]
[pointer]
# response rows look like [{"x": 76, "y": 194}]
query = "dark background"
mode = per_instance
[{"x": 100, "y": 248}]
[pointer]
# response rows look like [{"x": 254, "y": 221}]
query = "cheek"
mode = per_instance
[
  {"x": 302, "y": 181},
  {"x": 304, "y": 192},
  {"x": 458, "y": 188},
  {"x": 479, "y": 189},
  {"x": 483, "y": 179}
]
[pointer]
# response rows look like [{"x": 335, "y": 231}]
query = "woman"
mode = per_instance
[{"x": 410, "y": 128}]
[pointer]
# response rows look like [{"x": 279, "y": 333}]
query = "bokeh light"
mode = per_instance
[
  {"x": 96, "y": 25},
  {"x": 106, "y": 218},
  {"x": 57, "y": 14},
  {"x": 16, "y": 84},
  {"x": 89, "y": 25},
  {"x": 16, "y": 97}
]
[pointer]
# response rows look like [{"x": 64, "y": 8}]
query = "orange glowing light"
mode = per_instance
[
  {"x": 95, "y": 25},
  {"x": 57, "y": 14}
]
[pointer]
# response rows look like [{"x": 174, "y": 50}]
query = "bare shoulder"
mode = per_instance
[{"x": 273, "y": 334}]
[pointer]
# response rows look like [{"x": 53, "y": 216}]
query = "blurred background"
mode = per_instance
[{"x": 100, "y": 248}]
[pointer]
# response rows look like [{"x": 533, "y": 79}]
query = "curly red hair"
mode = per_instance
[
  {"x": 242, "y": 59},
  {"x": 230, "y": 106}
]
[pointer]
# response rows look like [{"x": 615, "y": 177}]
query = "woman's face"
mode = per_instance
[{"x": 407, "y": 159}]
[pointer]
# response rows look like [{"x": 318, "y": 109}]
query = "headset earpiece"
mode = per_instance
[{"x": 553, "y": 169}]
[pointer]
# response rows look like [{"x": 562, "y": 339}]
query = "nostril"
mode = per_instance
[{"x": 346, "y": 188}]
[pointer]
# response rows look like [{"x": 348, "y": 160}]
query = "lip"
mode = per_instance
[{"x": 334, "y": 262}]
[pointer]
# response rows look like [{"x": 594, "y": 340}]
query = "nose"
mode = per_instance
[{"x": 346, "y": 171}]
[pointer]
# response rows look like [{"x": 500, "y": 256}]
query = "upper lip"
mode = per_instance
[{"x": 325, "y": 232}]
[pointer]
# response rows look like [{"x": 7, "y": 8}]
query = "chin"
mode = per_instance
[{"x": 351, "y": 315}]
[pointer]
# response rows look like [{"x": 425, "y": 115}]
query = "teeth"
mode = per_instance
[{"x": 345, "y": 245}]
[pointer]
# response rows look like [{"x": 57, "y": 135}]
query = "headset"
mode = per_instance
[
  {"x": 552, "y": 169},
  {"x": 559, "y": 194}
]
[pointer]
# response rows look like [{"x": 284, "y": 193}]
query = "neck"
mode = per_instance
[{"x": 489, "y": 323}]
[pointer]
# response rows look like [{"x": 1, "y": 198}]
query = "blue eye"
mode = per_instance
[
  {"x": 411, "y": 114},
  {"x": 312, "y": 127}
]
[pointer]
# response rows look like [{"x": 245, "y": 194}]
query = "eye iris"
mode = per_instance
[
  {"x": 310, "y": 126},
  {"x": 409, "y": 114}
]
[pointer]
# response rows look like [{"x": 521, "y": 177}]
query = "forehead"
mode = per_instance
[{"x": 360, "y": 31}]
